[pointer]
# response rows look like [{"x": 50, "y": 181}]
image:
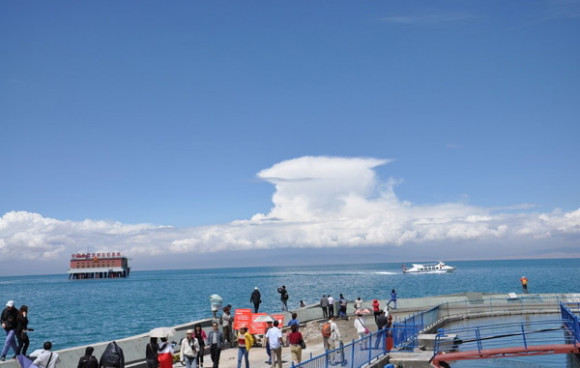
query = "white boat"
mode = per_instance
[{"x": 429, "y": 268}]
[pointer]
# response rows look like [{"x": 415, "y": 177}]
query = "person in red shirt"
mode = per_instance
[
  {"x": 296, "y": 342},
  {"x": 376, "y": 309}
]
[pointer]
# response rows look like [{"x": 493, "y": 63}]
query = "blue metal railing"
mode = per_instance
[
  {"x": 571, "y": 320},
  {"x": 403, "y": 337},
  {"x": 362, "y": 351},
  {"x": 404, "y": 333},
  {"x": 499, "y": 336}
]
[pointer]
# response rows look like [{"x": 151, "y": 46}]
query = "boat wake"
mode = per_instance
[{"x": 386, "y": 273}]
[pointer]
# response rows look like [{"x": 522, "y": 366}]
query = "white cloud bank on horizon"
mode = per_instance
[{"x": 319, "y": 202}]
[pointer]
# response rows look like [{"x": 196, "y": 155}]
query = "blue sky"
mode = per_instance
[{"x": 121, "y": 120}]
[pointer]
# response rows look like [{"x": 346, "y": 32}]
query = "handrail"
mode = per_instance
[
  {"x": 571, "y": 320},
  {"x": 403, "y": 335}
]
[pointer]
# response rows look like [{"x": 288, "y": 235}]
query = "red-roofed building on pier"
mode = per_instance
[{"x": 101, "y": 265}]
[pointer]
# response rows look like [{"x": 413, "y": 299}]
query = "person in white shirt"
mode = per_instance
[
  {"x": 274, "y": 338},
  {"x": 330, "y": 305},
  {"x": 358, "y": 303},
  {"x": 189, "y": 350},
  {"x": 47, "y": 358},
  {"x": 330, "y": 341},
  {"x": 361, "y": 329}
]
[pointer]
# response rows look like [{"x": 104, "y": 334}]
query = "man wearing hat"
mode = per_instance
[
  {"x": 8, "y": 319},
  {"x": 189, "y": 350}
]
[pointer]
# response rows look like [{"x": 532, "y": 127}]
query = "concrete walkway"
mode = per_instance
[{"x": 134, "y": 346}]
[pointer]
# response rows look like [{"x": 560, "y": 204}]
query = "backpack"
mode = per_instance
[
  {"x": 86, "y": 361},
  {"x": 113, "y": 356},
  {"x": 326, "y": 330}
]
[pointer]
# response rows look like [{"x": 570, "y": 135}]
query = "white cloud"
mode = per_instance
[{"x": 319, "y": 202}]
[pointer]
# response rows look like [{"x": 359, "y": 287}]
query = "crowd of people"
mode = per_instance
[
  {"x": 15, "y": 323},
  {"x": 160, "y": 353}
]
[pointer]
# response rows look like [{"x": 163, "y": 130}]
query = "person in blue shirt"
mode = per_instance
[
  {"x": 294, "y": 320},
  {"x": 393, "y": 299}
]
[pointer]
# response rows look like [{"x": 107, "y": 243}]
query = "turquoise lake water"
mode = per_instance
[{"x": 78, "y": 312}]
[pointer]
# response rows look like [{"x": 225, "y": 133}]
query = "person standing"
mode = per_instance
[
  {"x": 189, "y": 349},
  {"x": 324, "y": 306},
  {"x": 294, "y": 320},
  {"x": 524, "y": 281},
  {"x": 88, "y": 360},
  {"x": 382, "y": 323},
  {"x": 283, "y": 298},
  {"x": 47, "y": 358},
  {"x": 268, "y": 351},
  {"x": 330, "y": 305},
  {"x": 256, "y": 299},
  {"x": 151, "y": 353},
  {"x": 22, "y": 330},
  {"x": 358, "y": 304},
  {"x": 227, "y": 321},
  {"x": 274, "y": 338},
  {"x": 9, "y": 319},
  {"x": 361, "y": 329},
  {"x": 199, "y": 334},
  {"x": 296, "y": 341},
  {"x": 342, "y": 302},
  {"x": 330, "y": 334},
  {"x": 165, "y": 354},
  {"x": 215, "y": 339},
  {"x": 376, "y": 309},
  {"x": 393, "y": 299},
  {"x": 245, "y": 343}
]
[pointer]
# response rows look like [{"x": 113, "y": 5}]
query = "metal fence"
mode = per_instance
[
  {"x": 363, "y": 351},
  {"x": 420, "y": 321},
  {"x": 404, "y": 333},
  {"x": 571, "y": 320},
  {"x": 500, "y": 335}
]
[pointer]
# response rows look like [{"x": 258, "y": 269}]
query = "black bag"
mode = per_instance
[
  {"x": 302, "y": 344},
  {"x": 113, "y": 356}
]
